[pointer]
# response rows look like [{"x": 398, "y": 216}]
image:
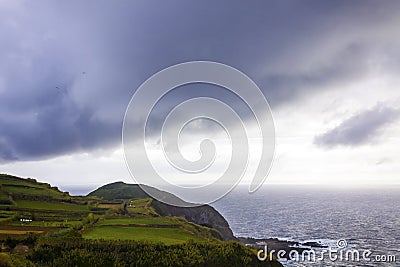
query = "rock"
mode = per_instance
[{"x": 203, "y": 215}]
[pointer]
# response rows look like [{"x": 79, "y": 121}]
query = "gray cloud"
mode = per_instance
[
  {"x": 56, "y": 128},
  {"x": 359, "y": 129},
  {"x": 290, "y": 49}
]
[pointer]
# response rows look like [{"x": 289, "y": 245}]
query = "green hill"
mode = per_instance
[
  {"x": 21, "y": 188},
  {"x": 119, "y": 190},
  {"x": 203, "y": 215}
]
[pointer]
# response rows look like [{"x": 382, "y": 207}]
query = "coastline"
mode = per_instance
[{"x": 277, "y": 244}]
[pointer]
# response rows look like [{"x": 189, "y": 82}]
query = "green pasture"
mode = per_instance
[
  {"x": 28, "y": 204},
  {"x": 150, "y": 234},
  {"x": 140, "y": 221}
]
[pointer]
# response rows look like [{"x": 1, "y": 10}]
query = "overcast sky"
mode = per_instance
[{"x": 329, "y": 69}]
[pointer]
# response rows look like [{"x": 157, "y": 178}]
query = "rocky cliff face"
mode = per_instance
[{"x": 203, "y": 215}]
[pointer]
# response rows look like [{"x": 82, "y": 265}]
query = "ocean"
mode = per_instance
[{"x": 363, "y": 219}]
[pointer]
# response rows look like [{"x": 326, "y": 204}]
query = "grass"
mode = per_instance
[
  {"x": 34, "y": 191},
  {"x": 140, "y": 221},
  {"x": 3, "y": 196},
  {"x": 168, "y": 236},
  {"x": 27, "y": 204},
  {"x": 6, "y": 216},
  {"x": 7, "y": 181},
  {"x": 21, "y": 183},
  {"x": 47, "y": 223},
  {"x": 4, "y": 213},
  {"x": 141, "y": 206},
  {"x": 109, "y": 206},
  {"x": 19, "y": 232},
  {"x": 8, "y": 230},
  {"x": 142, "y": 202}
]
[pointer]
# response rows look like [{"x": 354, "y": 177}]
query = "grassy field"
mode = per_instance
[
  {"x": 140, "y": 221},
  {"x": 12, "y": 231},
  {"x": 3, "y": 196},
  {"x": 47, "y": 223},
  {"x": 151, "y": 234},
  {"x": 35, "y": 191},
  {"x": 141, "y": 206},
  {"x": 5, "y": 214},
  {"x": 28, "y": 204},
  {"x": 109, "y": 206},
  {"x": 19, "y": 232},
  {"x": 5, "y": 182}
]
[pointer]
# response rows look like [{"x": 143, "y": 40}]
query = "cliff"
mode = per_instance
[{"x": 203, "y": 215}]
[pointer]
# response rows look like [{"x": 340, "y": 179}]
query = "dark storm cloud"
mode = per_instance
[
  {"x": 58, "y": 127},
  {"x": 68, "y": 69},
  {"x": 359, "y": 129}
]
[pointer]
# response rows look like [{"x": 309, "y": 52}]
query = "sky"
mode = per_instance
[{"x": 329, "y": 70}]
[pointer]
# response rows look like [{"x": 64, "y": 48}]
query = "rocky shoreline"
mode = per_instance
[{"x": 277, "y": 245}]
